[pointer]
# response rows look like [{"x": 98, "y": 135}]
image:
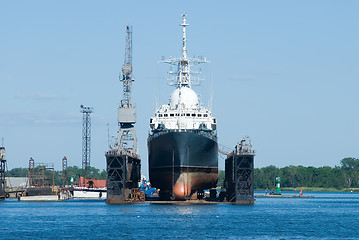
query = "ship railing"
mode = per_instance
[
  {"x": 242, "y": 152},
  {"x": 203, "y": 132},
  {"x": 113, "y": 152}
]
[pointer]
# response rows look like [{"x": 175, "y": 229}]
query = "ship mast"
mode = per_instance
[
  {"x": 183, "y": 74},
  {"x": 183, "y": 66},
  {"x": 184, "y": 25}
]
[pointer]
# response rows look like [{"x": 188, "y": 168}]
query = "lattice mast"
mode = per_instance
[
  {"x": 127, "y": 112},
  {"x": 86, "y": 138},
  {"x": 183, "y": 76}
]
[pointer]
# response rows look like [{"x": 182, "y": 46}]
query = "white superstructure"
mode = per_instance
[{"x": 183, "y": 112}]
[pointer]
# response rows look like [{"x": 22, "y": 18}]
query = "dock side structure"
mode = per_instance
[
  {"x": 123, "y": 175},
  {"x": 239, "y": 170}
]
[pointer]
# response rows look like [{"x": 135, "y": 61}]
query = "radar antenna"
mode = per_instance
[{"x": 183, "y": 74}]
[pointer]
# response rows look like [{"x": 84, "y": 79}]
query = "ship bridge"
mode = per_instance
[{"x": 186, "y": 119}]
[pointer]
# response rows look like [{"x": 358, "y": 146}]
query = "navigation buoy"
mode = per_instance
[{"x": 277, "y": 183}]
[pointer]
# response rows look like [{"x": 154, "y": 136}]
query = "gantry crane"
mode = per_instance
[
  {"x": 123, "y": 162},
  {"x": 127, "y": 112}
]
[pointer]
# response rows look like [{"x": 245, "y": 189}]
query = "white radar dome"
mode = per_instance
[{"x": 184, "y": 95}]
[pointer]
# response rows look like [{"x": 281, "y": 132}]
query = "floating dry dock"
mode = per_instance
[
  {"x": 239, "y": 174},
  {"x": 209, "y": 202}
]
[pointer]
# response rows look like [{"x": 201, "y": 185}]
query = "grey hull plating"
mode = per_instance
[{"x": 188, "y": 158}]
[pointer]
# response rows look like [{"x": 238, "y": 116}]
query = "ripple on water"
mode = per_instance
[{"x": 329, "y": 216}]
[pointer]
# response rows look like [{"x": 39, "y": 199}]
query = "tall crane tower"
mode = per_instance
[
  {"x": 123, "y": 162},
  {"x": 127, "y": 112},
  {"x": 86, "y": 138}
]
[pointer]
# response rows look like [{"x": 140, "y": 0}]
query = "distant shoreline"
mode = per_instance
[{"x": 313, "y": 189}]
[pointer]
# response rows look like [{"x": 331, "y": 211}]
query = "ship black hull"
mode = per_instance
[{"x": 181, "y": 163}]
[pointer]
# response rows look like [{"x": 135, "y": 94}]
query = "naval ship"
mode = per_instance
[{"x": 182, "y": 144}]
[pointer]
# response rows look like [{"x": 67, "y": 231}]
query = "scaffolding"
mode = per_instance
[{"x": 41, "y": 174}]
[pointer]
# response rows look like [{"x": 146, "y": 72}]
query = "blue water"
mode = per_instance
[{"x": 328, "y": 216}]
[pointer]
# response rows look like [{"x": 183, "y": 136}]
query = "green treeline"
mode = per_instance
[
  {"x": 72, "y": 172},
  {"x": 344, "y": 176}
]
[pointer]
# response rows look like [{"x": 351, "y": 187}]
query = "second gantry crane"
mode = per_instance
[
  {"x": 127, "y": 112},
  {"x": 123, "y": 161}
]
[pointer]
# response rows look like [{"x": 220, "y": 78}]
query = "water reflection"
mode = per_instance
[{"x": 185, "y": 210}]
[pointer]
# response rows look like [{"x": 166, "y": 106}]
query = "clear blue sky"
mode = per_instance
[{"x": 286, "y": 73}]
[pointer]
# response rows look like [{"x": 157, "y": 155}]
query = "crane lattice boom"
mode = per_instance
[{"x": 127, "y": 70}]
